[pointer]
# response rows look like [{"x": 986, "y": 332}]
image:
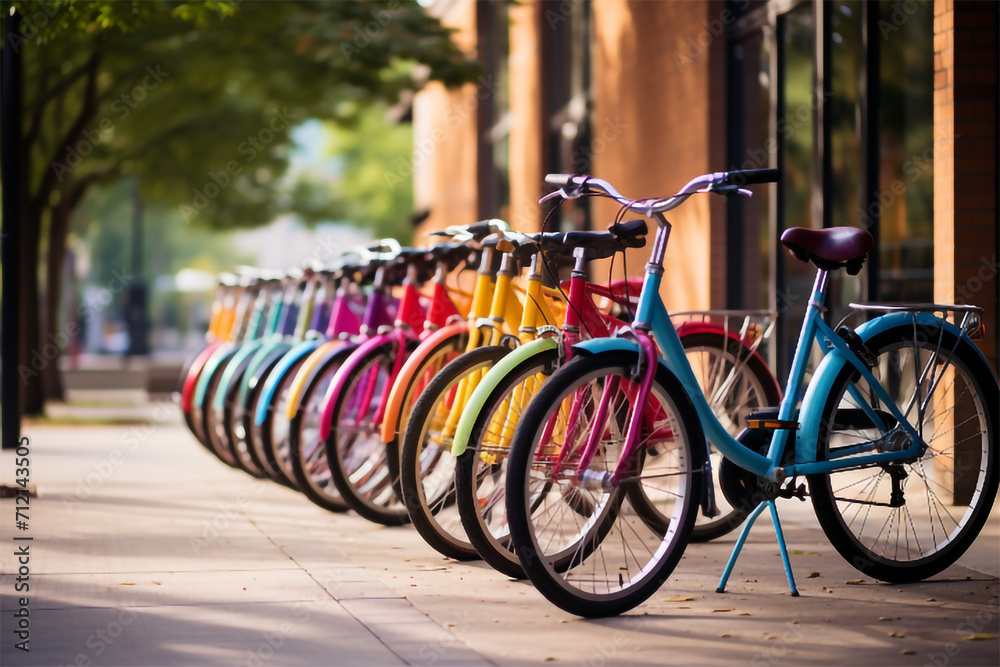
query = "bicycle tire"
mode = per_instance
[
  {"x": 307, "y": 452},
  {"x": 212, "y": 426},
  {"x": 254, "y": 434},
  {"x": 276, "y": 428},
  {"x": 964, "y": 405},
  {"x": 426, "y": 463},
  {"x": 432, "y": 364},
  {"x": 480, "y": 479},
  {"x": 739, "y": 382},
  {"x": 234, "y": 430},
  {"x": 576, "y": 586},
  {"x": 354, "y": 450}
]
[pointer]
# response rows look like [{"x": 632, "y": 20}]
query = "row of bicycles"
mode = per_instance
[{"x": 487, "y": 391}]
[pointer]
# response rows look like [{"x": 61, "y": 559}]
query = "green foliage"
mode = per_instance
[
  {"x": 374, "y": 188},
  {"x": 197, "y": 98}
]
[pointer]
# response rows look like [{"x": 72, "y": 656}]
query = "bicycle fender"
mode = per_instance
[
  {"x": 219, "y": 357},
  {"x": 489, "y": 382},
  {"x": 240, "y": 357},
  {"x": 337, "y": 384},
  {"x": 275, "y": 377},
  {"x": 819, "y": 388},
  {"x": 307, "y": 371},
  {"x": 390, "y": 424},
  {"x": 193, "y": 373},
  {"x": 260, "y": 364}
]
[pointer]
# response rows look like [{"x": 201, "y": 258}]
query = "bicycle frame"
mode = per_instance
[{"x": 652, "y": 317}]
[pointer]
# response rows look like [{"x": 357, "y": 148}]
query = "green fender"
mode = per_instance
[{"x": 489, "y": 383}]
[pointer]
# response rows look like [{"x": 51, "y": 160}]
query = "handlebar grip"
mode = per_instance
[
  {"x": 751, "y": 177},
  {"x": 559, "y": 180}
]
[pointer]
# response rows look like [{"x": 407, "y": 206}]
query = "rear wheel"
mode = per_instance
[
  {"x": 909, "y": 520},
  {"x": 576, "y": 532},
  {"x": 735, "y": 382}
]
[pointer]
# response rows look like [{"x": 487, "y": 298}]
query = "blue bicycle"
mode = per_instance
[{"x": 895, "y": 435}]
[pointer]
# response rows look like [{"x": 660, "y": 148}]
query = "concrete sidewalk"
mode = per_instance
[{"x": 146, "y": 550}]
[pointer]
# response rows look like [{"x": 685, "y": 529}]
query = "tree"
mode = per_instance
[{"x": 195, "y": 100}]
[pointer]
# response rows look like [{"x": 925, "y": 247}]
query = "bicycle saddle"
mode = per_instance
[{"x": 830, "y": 249}]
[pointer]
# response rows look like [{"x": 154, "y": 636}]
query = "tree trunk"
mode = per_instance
[
  {"x": 32, "y": 362},
  {"x": 55, "y": 336}
]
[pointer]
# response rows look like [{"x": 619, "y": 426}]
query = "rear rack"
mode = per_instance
[{"x": 971, "y": 322}]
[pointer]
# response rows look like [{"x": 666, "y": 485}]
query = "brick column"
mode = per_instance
[
  {"x": 965, "y": 131},
  {"x": 965, "y": 197}
]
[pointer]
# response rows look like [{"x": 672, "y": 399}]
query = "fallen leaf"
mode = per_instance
[
  {"x": 931, "y": 600},
  {"x": 795, "y": 552},
  {"x": 725, "y": 635},
  {"x": 898, "y": 634},
  {"x": 158, "y": 583},
  {"x": 678, "y": 598},
  {"x": 908, "y": 651},
  {"x": 549, "y": 659},
  {"x": 126, "y": 583},
  {"x": 979, "y": 637},
  {"x": 744, "y": 613},
  {"x": 812, "y": 575},
  {"x": 854, "y": 582},
  {"x": 770, "y": 637},
  {"x": 721, "y": 611}
]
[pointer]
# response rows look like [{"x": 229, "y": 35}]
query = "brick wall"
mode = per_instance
[
  {"x": 659, "y": 121},
  {"x": 965, "y": 163}
]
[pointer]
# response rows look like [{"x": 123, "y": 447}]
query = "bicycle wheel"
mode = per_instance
[
  {"x": 427, "y": 468},
  {"x": 212, "y": 420},
  {"x": 254, "y": 434},
  {"x": 481, "y": 471},
  {"x": 909, "y": 520},
  {"x": 355, "y": 452},
  {"x": 232, "y": 420},
  {"x": 432, "y": 363},
  {"x": 307, "y": 453},
  {"x": 611, "y": 560},
  {"x": 276, "y": 429},
  {"x": 735, "y": 382}
]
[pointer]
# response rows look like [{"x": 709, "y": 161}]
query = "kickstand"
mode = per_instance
[{"x": 743, "y": 538}]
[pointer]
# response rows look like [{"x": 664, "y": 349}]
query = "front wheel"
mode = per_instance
[
  {"x": 427, "y": 468},
  {"x": 481, "y": 472},
  {"x": 357, "y": 457},
  {"x": 908, "y": 520},
  {"x": 578, "y": 536}
]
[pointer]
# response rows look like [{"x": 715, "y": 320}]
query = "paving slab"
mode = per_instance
[{"x": 140, "y": 533}]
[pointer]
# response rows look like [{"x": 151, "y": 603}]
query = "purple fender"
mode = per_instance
[{"x": 337, "y": 384}]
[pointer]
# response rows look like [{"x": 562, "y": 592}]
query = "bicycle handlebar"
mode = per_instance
[{"x": 722, "y": 182}]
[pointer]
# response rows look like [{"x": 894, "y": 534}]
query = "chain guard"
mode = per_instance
[{"x": 743, "y": 489}]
